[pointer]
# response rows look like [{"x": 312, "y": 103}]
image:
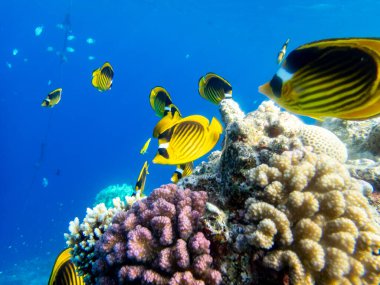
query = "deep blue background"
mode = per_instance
[{"x": 94, "y": 138}]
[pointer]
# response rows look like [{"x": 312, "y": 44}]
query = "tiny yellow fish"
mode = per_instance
[
  {"x": 214, "y": 88},
  {"x": 181, "y": 171},
  {"x": 145, "y": 147},
  {"x": 64, "y": 271},
  {"x": 336, "y": 78},
  {"x": 140, "y": 184},
  {"x": 159, "y": 99},
  {"x": 187, "y": 140},
  {"x": 171, "y": 115},
  {"x": 102, "y": 77},
  {"x": 282, "y": 52},
  {"x": 52, "y": 98}
]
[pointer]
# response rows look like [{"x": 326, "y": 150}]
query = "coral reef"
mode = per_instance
[
  {"x": 158, "y": 241},
  {"x": 357, "y": 135},
  {"x": 83, "y": 236},
  {"x": 294, "y": 211},
  {"x": 111, "y": 192},
  {"x": 362, "y": 140},
  {"x": 279, "y": 204}
]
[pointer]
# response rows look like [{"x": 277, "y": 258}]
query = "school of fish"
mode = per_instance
[{"x": 337, "y": 78}]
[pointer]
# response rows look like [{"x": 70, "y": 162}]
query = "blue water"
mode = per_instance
[{"x": 94, "y": 138}]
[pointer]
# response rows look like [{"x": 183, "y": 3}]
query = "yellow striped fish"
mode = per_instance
[
  {"x": 64, "y": 271},
  {"x": 181, "y": 171},
  {"x": 214, "y": 88},
  {"x": 52, "y": 98},
  {"x": 171, "y": 115},
  {"x": 187, "y": 140},
  {"x": 330, "y": 78},
  {"x": 145, "y": 147},
  {"x": 140, "y": 184},
  {"x": 159, "y": 98},
  {"x": 282, "y": 53},
  {"x": 102, "y": 77}
]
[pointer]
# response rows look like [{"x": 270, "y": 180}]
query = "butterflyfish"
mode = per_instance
[
  {"x": 187, "y": 140},
  {"x": 171, "y": 115},
  {"x": 145, "y": 147},
  {"x": 214, "y": 88},
  {"x": 102, "y": 77},
  {"x": 64, "y": 271},
  {"x": 282, "y": 52},
  {"x": 159, "y": 98},
  {"x": 330, "y": 78},
  {"x": 140, "y": 184},
  {"x": 52, "y": 98},
  {"x": 181, "y": 171}
]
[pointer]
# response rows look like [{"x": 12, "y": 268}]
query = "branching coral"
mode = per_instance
[
  {"x": 304, "y": 217},
  {"x": 158, "y": 241},
  {"x": 323, "y": 230},
  {"x": 83, "y": 236}
]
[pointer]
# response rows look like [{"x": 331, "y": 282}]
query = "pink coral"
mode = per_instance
[{"x": 158, "y": 241}]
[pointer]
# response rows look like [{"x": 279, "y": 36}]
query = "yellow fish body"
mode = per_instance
[
  {"x": 145, "y": 147},
  {"x": 140, "y": 184},
  {"x": 64, "y": 271},
  {"x": 171, "y": 115},
  {"x": 181, "y": 171},
  {"x": 52, "y": 98},
  {"x": 159, "y": 98},
  {"x": 102, "y": 78},
  {"x": 282, "y": 52},
  {"x": 214, "y": 88},
  {"x": 187, "y": 140},
  {"x": 330, "y": 78}
]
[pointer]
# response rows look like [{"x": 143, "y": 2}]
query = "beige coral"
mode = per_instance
[
  {"x": 323, "y": 141},
  {"x": 322, "y": 226},
  {"x": 304, "y": 213}
]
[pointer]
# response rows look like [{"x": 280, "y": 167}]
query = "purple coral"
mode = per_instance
[{"x": 158, "y": 241}]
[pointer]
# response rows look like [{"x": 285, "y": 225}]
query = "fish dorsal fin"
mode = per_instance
[
  {"x": 95, "y": 77},
  {"x": 165, "y": 123}
]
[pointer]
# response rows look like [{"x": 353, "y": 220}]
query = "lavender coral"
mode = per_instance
[
  {"x": 83, "y": 236},
  {"x": 158, "y": 241}
]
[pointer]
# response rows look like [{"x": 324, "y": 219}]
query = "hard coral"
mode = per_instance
[
  {"x": 158, "y": 241},
  {"x": 111, "y": 192},
  {"x": 294, "y": 212},
  {"x": 323, "y": 230},
  {"x": 83, "y": 236},
  {"x": 362, "y": 141}
]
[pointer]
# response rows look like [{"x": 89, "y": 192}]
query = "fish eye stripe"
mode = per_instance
[{"x": 276, "y": 85}]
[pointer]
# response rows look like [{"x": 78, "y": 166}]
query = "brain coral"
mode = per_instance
[
  {"x": 294, "y": 211},
  {"x": 158, "y": 241},
  {"x": 323, "y": 142}
]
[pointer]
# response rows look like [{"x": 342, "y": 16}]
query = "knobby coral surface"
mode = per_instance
[
  {"x": 83, "y": 236},
  {"x": 362, "y": 139},
  {"x": 158, "y": 241},
  {"x": 294, "y": 212}
]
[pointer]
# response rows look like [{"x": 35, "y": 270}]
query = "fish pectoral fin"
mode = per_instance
[{"x": 319, "y": 119}]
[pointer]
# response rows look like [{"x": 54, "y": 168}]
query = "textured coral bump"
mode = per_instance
[{"x": 158, "y": 241}]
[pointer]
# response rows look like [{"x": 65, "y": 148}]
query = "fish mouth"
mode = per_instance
[{"x": 266, "y": 89}]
